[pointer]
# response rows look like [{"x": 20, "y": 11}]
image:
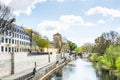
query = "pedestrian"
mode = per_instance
[
  {"x": 34, "y": 70},
  {"x": 57, "y": 62}
]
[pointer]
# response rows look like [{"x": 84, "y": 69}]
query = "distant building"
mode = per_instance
[
  {"x": 16, "y": 41},
  {"x": 60, "y": 43},
  {"x": 57, "y": 40}
]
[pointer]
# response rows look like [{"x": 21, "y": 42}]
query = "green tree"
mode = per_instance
[
  {"x": 72, "y": 46},
  {"x": 101, "y": 44},
  {"x": 112, "y": 53},
  {"x": 37, "y": 39},
  {"x": 79, "y": 50},
  {"x": 43, "y": 43},
  {"x": 88, "y": 47},
  {"x": 117, "y": 64}
]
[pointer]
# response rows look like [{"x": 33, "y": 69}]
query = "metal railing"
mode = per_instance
[{"x": 42, "y": 71}]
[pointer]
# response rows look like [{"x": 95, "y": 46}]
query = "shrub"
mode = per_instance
[
  {"x": 111, "y": 54},
  {"x": 117, "y": 63},
  {"x": 103, "y": 61},
  {"x": 93, "y": 57}
]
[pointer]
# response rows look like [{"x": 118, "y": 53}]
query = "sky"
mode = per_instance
[{"x": 79, "y": 21}]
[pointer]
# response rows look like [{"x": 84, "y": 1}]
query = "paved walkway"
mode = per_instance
[{"x": 23, "y": 73}]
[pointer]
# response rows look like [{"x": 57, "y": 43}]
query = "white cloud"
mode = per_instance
[
  {"x": 104, "y": 11},
  {"x": 23, "y": 6},
  {"x": 100, "y": 21},
  {"x": 62, "y": 25},
  {"x": 71, "y": 19}
]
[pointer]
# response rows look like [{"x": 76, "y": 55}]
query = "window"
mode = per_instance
[
  {"x": 6, "y": 40},
  {"x": 17, "y": 41},
  {"x": 2, "y": 49},
  {"x": 6, "y": 49},
  {"x": 2, "y": 39},
  {"x": 2, "y": 32},
  {"x": 9, "y": 49},
  {"x": 9, "y": 40},
  {"x": 12, "y": 41},
  {"x": 20, "y": 42},
  {"x": 13, "y": 34},
  {"x": 17, "y": 49}
]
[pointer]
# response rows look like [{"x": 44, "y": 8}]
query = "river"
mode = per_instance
[{"x": 82, "y": 69}]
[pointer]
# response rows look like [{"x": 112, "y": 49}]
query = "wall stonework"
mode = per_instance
[{"x": 22, "y": 62}]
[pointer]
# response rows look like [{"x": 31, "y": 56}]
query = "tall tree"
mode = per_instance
[
  {"x": 79, "y": 50},
  {"x": 88, "y": 47},
  {"x": 106, "y": 39},
  {"x": 72, "y": 46},
  {"x": 118, "y": 41},
  {"x": 5, "y": 22},
  {"x": 111, "y": 36},
  {"x": 101, "y": 45},
  {"x": 43, "y": 43}
]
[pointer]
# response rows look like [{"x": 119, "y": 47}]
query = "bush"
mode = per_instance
[
  {"x": 93, "y": 57},
  {"x": 117, "y": 63},
  {"x": 103, "y": 61},
  {"x": 111, "y": 54}
]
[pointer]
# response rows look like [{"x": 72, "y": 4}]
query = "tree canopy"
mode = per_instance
[
  {"x": 72, "y": 46},
  {"x": 79, "y": 50}
]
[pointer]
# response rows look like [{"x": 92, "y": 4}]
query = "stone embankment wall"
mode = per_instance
[{"x": 22, "y": 62}]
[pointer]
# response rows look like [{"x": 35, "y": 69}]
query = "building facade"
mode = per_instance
[{"x": 16, "y": 41}]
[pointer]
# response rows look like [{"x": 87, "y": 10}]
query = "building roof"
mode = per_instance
[{"x": 57, "y": 34}]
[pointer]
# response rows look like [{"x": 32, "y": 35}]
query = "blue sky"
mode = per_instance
[{"x": 80, "y": 21}]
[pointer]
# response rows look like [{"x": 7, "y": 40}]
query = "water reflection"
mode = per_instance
[{"x": 82, "y": 70}]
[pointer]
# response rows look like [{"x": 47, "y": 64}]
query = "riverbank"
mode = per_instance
[{"x": 100, "y": 64}]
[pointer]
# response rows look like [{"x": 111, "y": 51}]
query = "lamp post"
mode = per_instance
[
  {"x": 12, "y": 54},
  {"x": 49, "y": 56}
]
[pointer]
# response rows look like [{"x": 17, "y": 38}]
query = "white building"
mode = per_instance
[{"x": 16, "y": 41}]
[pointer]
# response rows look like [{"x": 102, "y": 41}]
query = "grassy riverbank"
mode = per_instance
[{"x": 109, "y": 61}]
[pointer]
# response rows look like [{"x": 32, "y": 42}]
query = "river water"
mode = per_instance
[{"x": 82, "y": 69}]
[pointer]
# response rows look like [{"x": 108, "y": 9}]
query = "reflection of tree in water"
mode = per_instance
[
  {"x": 56, "y": 76},
  {"x": 105, "y": 75},
  {"x": 67, "y": 71}
]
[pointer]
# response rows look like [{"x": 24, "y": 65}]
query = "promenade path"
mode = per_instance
[{"x": 23, "y": 73}]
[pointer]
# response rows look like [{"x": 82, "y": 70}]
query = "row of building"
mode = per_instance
[{"x": 18, "y": 40}]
